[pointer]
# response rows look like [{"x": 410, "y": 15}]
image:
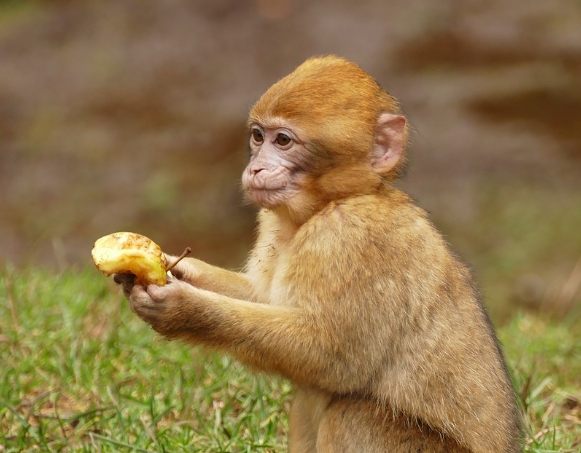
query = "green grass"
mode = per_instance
[
  {"x": 544, "y": 356},
  {"x": 79, "y": 372}
]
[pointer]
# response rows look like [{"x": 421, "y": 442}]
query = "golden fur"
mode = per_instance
[{"x": 349, "y": 291}]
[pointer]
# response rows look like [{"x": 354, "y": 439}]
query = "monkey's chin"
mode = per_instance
[{"x": 268, "y": 198}]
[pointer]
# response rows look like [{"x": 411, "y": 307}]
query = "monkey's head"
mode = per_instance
[{"x": 325, "y": 132}]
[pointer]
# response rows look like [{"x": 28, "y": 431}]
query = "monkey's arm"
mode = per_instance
[
  {"x": 212, "y": 278},
  {"x": 308, "y": 347},
  {"x": 330, "y": 321}
]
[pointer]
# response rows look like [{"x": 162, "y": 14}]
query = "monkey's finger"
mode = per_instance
[
  {"x": 157, "y": 293},
  {"x": 177, "y": 270},
  {"x": 127, "y": 281},
  {"x": 140, "y": 301},
  {"x": 162, "y": 293},
  {"x": 124, "y": 278}
]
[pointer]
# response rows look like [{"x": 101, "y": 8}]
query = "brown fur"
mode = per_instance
[{"x": 349, "y": 292}]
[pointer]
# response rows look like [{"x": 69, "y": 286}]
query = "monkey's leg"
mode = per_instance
[
  {"x": 305, "y": 417},
  {"x": 350, "y": 425}
]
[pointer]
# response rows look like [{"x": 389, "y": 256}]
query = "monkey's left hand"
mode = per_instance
[{"x": 171, "y": 309}]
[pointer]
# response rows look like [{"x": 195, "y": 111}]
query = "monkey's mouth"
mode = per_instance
[
  {"x": 266, "y": 189},
  {"x": 271, "y": 189},
  {"x": 267, "y": 185}
]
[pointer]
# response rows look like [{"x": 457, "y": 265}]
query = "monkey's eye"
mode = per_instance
[
  {"x": 282, "y": 139},
  {"x": 257, "y": 136}
]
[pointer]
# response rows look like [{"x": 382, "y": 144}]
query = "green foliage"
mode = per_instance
[
  {"x": 545, "y": 358},
  {"x": 79, "y": 373}
]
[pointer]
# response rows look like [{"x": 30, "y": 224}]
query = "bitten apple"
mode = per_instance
[{"x": 132, "y": 253}]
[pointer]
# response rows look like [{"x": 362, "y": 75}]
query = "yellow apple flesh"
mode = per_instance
[{"x": 131, "y": 253}]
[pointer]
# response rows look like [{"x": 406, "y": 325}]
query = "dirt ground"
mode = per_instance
[{"x": 129, "y": 115}]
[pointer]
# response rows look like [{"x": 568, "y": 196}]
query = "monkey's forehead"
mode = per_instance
[{"x": 270, "y": 122}]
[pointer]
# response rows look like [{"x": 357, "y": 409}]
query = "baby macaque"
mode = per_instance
[{"x": 349, "y": 292}]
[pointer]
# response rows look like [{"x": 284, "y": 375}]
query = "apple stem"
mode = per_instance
[{"x": 185, "y": 253}]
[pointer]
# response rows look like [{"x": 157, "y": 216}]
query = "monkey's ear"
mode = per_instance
[{"x": 388, "y": 143}]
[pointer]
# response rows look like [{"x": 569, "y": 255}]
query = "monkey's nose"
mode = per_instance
[{"x": 255, "y": 169}]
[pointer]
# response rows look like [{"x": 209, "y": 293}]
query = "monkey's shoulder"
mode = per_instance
[{"x": 386, "y": 216}]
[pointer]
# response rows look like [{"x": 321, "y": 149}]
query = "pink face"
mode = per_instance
[{"x": 274, "y": 174}]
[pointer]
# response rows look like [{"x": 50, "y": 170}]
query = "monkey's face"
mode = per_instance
[
  {"x": 276, "y": 171},
  {"x": 325, "y": 132}
]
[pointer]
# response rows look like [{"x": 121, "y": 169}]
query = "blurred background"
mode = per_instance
[{"x": 130, "y": 115}]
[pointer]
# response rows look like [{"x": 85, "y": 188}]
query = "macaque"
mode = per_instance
[{"x": 349, "y": 291}]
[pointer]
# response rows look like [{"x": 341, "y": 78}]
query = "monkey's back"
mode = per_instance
[{"x": 445, "y": 363}]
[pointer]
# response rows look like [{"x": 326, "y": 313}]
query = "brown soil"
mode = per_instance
[{"x": 129, "y": 115}]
